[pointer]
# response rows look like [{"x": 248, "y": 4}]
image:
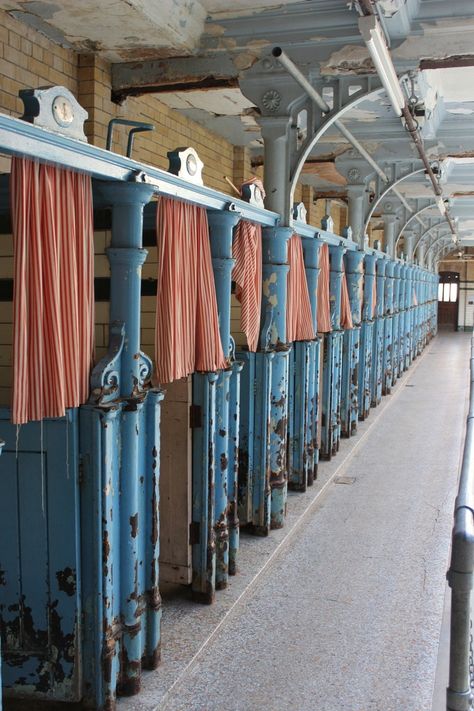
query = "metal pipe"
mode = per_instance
[
  {"x": 412, "y": 129},
  {"x": 461, "y": 571}
]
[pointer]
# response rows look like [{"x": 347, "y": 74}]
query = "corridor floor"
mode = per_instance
[{"x": 346, "y": 614}]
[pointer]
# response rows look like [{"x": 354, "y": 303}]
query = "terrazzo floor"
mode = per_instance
[{"x": 342, "y": 609}]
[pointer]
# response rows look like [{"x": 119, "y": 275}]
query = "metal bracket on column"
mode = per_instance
[
  {"x": 145, "y": 370},
  {"x": 278, "y": 95},
  {"x": 105, "y": 377}
]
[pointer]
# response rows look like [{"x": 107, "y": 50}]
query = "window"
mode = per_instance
[{"x": 448, "y": 288}]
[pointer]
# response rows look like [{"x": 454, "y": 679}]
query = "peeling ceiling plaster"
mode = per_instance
[
  {"x": 114, "y": 25},
  {"x": 220, "y": 8},
  {"x": 454, "y": 85}
]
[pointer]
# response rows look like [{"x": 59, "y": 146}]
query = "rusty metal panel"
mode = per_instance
[
  {"x": 299, "y": 425},
  {"x": 365, "y": 368},
  {"x": 40, "y": 602},
  {"x": 246, "y": 436},
  {"x": 204, "y": 544},
  {"x": 233, "y": 467},
  {"x": 260, "y": 483},
  {"x": 331, "y": 394},
  {"x": 120, "y": 546}
]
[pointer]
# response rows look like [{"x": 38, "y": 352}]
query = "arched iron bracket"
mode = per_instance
[
  {"x": 413, "y": 217},
  {"x": 426, "y": 233},
  {"x": 444, "y": 252},
  {"x": 385, "y": 192},
  {"x": 319, "y": 123},
  {"x": 435, "y": 241}
]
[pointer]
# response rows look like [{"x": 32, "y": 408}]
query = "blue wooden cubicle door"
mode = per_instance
[{"x": 39, "y": 559}]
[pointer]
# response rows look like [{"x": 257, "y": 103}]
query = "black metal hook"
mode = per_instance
[{"x": 137, "y": 127}]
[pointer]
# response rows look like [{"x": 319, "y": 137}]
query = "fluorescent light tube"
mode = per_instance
[{"x": 378, "y": 50}]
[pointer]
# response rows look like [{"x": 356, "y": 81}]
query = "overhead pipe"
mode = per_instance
[{"x": 315, "y": 96}]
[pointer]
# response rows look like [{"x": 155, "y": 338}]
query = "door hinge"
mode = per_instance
[
  {"x": 194, "y": 533},
  {"x": 195, "y": 416}
]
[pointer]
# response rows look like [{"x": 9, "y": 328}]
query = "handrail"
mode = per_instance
[{"x": 461, "y": 571}]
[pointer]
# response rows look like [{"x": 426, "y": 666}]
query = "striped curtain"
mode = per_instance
[
  {"x": 346, "y": 314},
  {"x": 324, "y": 309},
  {"x": 187, "y": 336},
  {"x": 299, "y": 320},
  {"x": 247, "y": 274},
  {"x": 53, "y": 299}
]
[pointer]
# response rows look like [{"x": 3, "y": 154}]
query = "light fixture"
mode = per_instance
[
  {"x": 374, "y": 39},
  {"x": 441, "y": 204}
]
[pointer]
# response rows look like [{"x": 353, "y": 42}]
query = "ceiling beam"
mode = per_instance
[
  {"x": 172, "y": 75},
  {"x": 454, "y": 62}
]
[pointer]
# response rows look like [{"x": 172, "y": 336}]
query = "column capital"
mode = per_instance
[{"x": 123, "y": 193}]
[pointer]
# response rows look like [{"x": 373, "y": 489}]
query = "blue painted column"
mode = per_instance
[
  {"x": 246, "y": 436},
  {"x": 396, "y": 324},
  {"x": 367, "y": 338},
  {"x": 387, "y": 367},
  {"x": 415, "y": 313},
  {"x": 332, "y": 360},
  {"x": 221, "y": 225},
  {"x": 126, "y": 257},
  {"x": 377, "y": 363},
  {"x": 274, "y": 287},
  {"x": 434, "y": 304},
  {"x": 408, "y": 315},
  {"x": 352, "y": 343},
  {"x": 258, "y": 482},
  {"x": 233, "y": 466},
  {"x": 311, "y": 251},
  {"x": 2, "y": 444},
  {"x": 202, "y": 538},
  {"x": 298, "y": 422},
  {"x": 302, "y": 423},
  {"x": 402, "y": 318},
  {"x": 120, "y": 453}
]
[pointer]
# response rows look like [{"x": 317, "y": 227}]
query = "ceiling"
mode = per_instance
[{"x": 204, "y": 58}]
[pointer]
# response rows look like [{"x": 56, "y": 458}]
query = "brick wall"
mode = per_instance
[{"x": 172, "y": 130}]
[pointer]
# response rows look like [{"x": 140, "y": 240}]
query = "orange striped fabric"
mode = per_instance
[
  {"x": 247, "y": 274},
  {"x": 324, "y": 309},
  {"x": 53, "y": 299},
  {"x": 187, "y": 335},
  {"x": 346, "y": 314},
  {"x": 299, "y": 319}
]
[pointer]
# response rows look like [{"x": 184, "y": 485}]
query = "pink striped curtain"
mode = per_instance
[
  {"x": 187, "y": 335},
  {"x": 299, "y": 323},
  {"x": 53, "y": 300},
  {"x": 346, "y": 314},
  {"x": 324, "y": 309},
  {"x": 247, "y": 274}
]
